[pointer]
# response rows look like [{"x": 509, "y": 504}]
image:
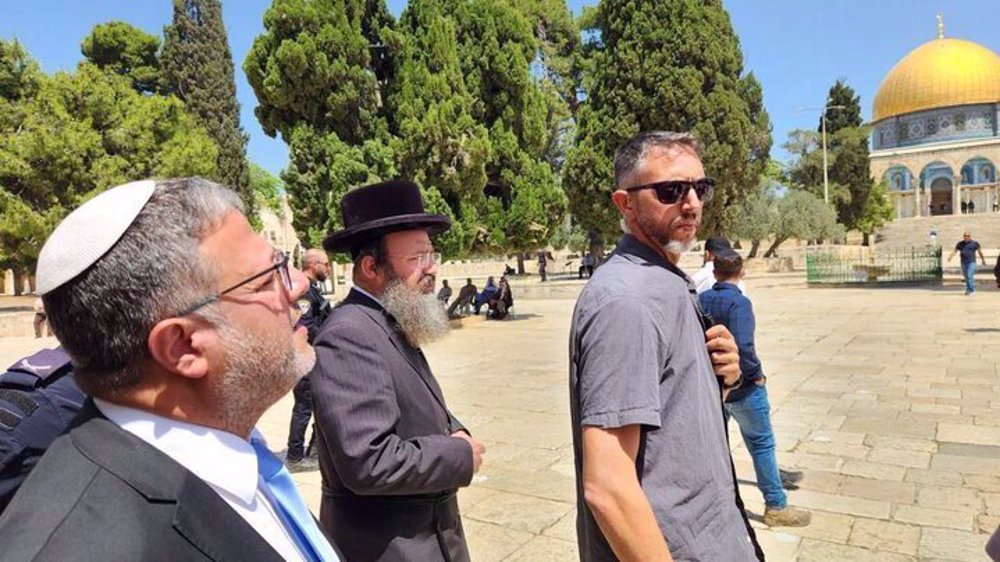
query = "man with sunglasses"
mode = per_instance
[
  {"x": 653, "y": 470},
  {"x": 392, "y": 455},
  {"x": 182, "y": 327}
]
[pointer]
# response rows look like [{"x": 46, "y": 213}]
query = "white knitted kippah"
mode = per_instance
[{"x": 87, "y": 233}]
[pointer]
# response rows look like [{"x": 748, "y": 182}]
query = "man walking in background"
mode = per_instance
[
  {"x": 968, "y": 248},
  {"x": 314, "y": 308}
]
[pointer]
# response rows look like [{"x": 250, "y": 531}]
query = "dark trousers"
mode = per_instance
[{"x": 301, "y": 414}]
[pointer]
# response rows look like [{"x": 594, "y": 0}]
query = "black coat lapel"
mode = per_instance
[{"x": 201, "y": 516}]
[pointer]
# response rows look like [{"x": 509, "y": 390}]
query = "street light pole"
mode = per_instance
[{"x": 822, "y": 126}]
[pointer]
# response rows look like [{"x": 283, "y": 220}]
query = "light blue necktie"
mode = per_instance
[{"x": 291, "y": 508}]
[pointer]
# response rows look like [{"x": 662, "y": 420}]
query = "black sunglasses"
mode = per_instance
[
  {"x": 280, "y": 266},
  {"x": 671, "y": 191}
]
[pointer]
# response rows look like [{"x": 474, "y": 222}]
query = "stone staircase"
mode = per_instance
[{"x": 985, "y": 227}]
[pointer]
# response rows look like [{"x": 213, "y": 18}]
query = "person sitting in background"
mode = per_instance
[
  {"x": 489, "y": 291},
  {"x": 463, "y": 303},
  {"x": 748, "y": 403},
  {"x": 499, "y": 306},
  {"x": 445, "y": 293}
]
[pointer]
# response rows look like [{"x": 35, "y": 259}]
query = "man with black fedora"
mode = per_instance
[{"x": 392, "y": 455}]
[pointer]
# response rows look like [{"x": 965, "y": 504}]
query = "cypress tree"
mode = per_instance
[
  {"x": 197, "y": 67},
  {"x": 847, "y": 144}
]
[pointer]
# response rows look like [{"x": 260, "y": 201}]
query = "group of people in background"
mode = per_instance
[{"x": 497, "y": 297}]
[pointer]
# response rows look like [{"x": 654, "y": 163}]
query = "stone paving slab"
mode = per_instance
[{"x": 888, "y": 400}]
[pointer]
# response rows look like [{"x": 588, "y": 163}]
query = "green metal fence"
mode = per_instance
[{"x": 875, "y": 266}]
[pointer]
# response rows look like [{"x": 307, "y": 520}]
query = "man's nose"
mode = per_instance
[{"x": 691, "y": 201}]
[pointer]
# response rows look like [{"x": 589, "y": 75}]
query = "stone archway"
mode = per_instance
[{"x": 942, "y": 197}]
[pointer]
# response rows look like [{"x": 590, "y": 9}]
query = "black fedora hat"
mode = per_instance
[{"x": 378, "y": 209}]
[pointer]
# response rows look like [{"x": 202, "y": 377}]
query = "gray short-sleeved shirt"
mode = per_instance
[{"x": 638, "y": 357}]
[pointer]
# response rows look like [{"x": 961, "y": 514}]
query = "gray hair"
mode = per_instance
[
  {"x": 630, "y": 157},
  {"x": 103, "y": 316}
]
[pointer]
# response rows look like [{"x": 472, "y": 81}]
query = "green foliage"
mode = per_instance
[
  {"x": 669, "y": 66},
  {"x": 311, "y": 65},
  {"x": 755, "y": 217},
  {"x": 570, "y": 236},
  {"x": 79, "y": 134},
  {"x": 198, "y": 68},
  {"x": 802, "y": 215},
  {"x": 125, "y": 50},
  {"x": 267, "y": 188},
  {"x": 878, "y": 211},
  {"x": 320, "y": 171},
  {"x": 20, "y": 79}
]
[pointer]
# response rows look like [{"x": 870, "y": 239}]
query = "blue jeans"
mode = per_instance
[
  {"x": 753, "y": 414},
  {"x": 969, "y": 272}
]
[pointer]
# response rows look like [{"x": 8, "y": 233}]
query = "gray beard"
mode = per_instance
[
  {"x": 259, "y": 371},
  {"x": 420, "y": 316},
  {"x": 678, "y": 247}
]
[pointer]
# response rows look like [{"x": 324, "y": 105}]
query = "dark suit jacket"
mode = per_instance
[
  {"x": 102, "y": 494},
  {"x": 390, "y": 468}
]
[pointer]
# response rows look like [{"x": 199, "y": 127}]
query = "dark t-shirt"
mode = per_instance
[{"x": 967, "y": 249}]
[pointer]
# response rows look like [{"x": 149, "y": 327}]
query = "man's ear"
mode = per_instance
[
  {"x": 179, "y": 346},
  {"x": 622, "y": 201},
  {"x": 369, "y": 269}
]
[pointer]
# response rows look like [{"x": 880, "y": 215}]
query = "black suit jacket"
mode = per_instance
[
  {"x": 390, "y": 468},
  {"x": 102, "y": 494}
]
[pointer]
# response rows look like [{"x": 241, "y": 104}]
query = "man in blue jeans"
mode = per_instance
[
  {"x": 968, "y": 248},
  {"x": 747, "y": 403}
]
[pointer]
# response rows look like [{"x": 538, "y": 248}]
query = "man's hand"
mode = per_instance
[
  {"x": 724, "y": 353},
  {"x": 478, "y": 449}
]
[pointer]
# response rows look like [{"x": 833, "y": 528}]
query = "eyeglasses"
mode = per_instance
[
  {"x": 424, "y": 259},
  {"x": 280, "y": 266},
  {"x": 671, "y": 191}
]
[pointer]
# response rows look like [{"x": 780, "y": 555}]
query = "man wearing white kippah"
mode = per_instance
[{"x": 182, "y": 324}]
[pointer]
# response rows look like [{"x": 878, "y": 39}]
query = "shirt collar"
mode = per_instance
[
  {"x": 634, "y": 250},
  {"x": 367, "y": 294},
  {"x": 222, "y": 459},
  {"x": 726, "y": 286}
]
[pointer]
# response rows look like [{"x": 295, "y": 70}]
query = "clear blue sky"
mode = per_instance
[{"x": 797, "y": 48}]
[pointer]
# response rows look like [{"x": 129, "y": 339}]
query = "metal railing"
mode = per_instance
[{"x": 866, "y": 266}]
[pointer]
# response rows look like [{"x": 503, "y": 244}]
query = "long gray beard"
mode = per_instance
[
  {"x": 259, "y": 371},
  {"x": 421, "y": 317}
]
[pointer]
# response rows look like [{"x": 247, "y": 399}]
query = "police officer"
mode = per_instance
[
  {"x": 38, "y": 400},
  {"x": 315, "y": 308}
]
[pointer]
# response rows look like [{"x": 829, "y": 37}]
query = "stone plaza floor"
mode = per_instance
[{"x": 888, "y": 400}]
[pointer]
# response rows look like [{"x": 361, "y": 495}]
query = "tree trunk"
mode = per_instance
[
  {"x": 596, "y": 247},
  {"x": 18, "y": 283},
  {"x": 773, "y": 250},
  {"x": 737, "y": 245},
  {"x": 520, "y": 263},
  {"x": 754, "y": 247},
  {"x": 864, "y": 239}
]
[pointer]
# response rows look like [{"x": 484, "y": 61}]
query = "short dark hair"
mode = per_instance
[
  {"x": 374, "y": 247},
  {"x": 727, "y": 263},
  {"x": 630, "y": 156}
]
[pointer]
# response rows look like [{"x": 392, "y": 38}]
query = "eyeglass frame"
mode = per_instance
[
  {"x": 707, "y": 184},
  {"x": 280, "y": 266},
  {"x": 434, "y": 256}
]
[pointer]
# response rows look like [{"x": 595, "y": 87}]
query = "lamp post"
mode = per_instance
[{"x": 826, "y": 175}]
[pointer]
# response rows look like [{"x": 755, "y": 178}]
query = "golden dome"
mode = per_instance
[{"x": 939, "y": 73}]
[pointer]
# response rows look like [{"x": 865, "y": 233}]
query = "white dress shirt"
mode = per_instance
[
  {"x": 704, "y": 279},
  {"x": 222, "y": 460}
]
